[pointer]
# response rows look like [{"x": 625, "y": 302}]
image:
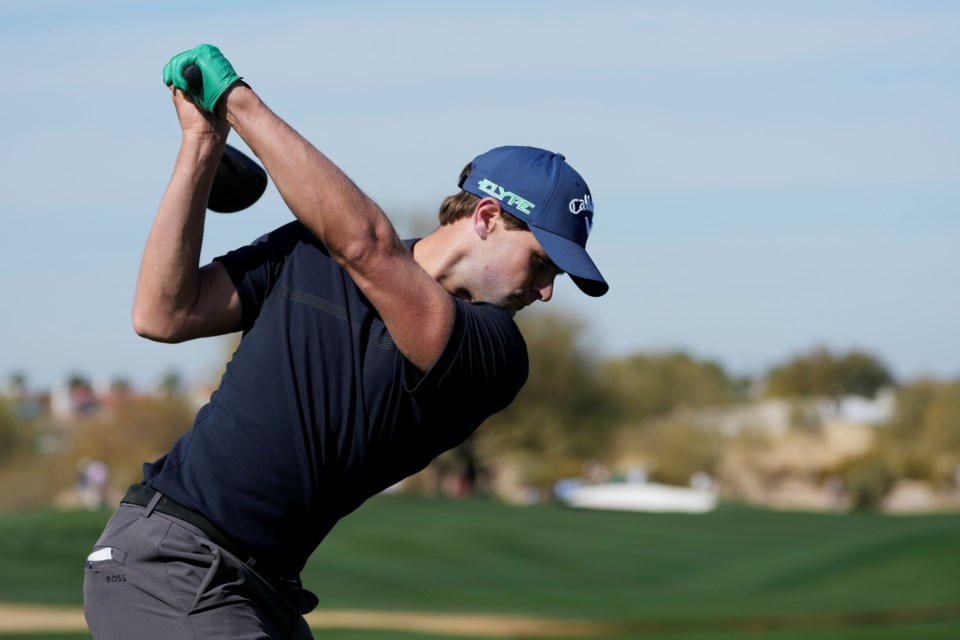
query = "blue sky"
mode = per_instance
[{"x": 768, "y": 176}]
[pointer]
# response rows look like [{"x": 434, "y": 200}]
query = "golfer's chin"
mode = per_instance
[{"x": 510, "y": 305}]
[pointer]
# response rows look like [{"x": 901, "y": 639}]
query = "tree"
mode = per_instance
[
  {"x": 563, "y": 414},
  {"x": 867, "y": 479},
  {"x": 679, "y": 449},
  {"x": 651, "y": 386},
  {"x": 17, "y": 383},
  {"x": 171, "y": 384},
  {"x": 821, "y": 373},
  {"x": 12, "y": 431},
  {"x": 922, "y": 440},
  {"x": 77, "y": 380},
  {"x": 139, "y": 430}
]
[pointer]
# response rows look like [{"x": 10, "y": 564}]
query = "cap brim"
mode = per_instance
[{"x": 573, "y": 259}]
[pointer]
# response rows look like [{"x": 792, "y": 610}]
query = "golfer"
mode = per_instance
[{"x": 363, "y": 357}]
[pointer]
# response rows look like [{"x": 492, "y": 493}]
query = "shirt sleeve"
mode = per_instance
[
  {"x": 254, "y": 269},
  {"x": 484, "y": 364}
]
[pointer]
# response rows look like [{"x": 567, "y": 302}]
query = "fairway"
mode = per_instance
[{"x": 737, "y": 572}]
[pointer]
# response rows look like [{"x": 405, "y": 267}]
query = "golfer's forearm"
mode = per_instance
[
  {"x": 169, "y": 283},
  {"x": 319, "y": 194}
]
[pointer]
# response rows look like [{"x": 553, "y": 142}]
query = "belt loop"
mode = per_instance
[{"x": 152, "y": 504}]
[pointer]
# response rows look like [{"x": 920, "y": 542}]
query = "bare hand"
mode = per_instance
[{"x": 198, "y": 123}]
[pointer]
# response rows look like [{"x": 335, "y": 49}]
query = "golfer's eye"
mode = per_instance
[{"x": 543, "y": 264}]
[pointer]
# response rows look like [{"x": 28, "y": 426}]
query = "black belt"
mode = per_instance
[{"x": 141, "y": 495}]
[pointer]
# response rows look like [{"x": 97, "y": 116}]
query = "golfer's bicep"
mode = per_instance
[
  {"x": 417, "y": 311},
  {"x": 217, "y": 310}
]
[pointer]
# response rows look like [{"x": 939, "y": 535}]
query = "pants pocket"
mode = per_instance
[
  {"x": 104, "y": 582},
  {"x": 191, "y": 563},
  {"x": 211, "y": 573},
  {"x": 106, "y": 564}
]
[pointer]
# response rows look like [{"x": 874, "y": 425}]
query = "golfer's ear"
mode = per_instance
[{"x": 485, "y": 216}]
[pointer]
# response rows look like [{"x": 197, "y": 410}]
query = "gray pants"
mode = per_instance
[{"x": 155, "y": 577}]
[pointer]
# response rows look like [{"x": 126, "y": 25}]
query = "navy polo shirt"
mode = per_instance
[{"x": 318, "y": 410}]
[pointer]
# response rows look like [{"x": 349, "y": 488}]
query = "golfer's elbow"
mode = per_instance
[
  {"x": 154, "y": 325},
  {"x": 365, "y": 250},
  {"x": 156, "y": 333},
  {"x": 181, "y": 313}
]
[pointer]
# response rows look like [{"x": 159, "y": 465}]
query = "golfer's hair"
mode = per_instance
[{"x": 461, "y": 205}]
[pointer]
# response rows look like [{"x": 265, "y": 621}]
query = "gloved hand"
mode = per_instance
[{"x": 218, "y": 74}]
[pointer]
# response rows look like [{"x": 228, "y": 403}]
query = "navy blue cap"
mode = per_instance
[{"x": 540, "y": 188}]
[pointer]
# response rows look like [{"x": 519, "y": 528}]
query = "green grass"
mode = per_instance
[
  {"x": 466, "y": 556},
  {"x": 734, "y": 573},
  {"x": 43, "y": 554}
]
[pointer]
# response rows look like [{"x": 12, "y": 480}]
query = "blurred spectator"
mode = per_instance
[
  {"x": 92, "y": 477},
  {"x": 702, "y": 481}
]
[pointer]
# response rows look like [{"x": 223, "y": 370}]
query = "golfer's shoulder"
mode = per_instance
[{"x": 489, "y": 333}]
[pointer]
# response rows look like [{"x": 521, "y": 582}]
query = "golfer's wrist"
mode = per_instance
[
  {"x": 200, "y": 150},
  {"x": 234, "y": 100}
]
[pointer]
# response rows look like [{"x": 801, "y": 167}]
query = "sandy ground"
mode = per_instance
[{"x": 23, "y": 618}]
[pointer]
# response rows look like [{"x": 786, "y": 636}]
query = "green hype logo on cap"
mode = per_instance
[{"x": 522, "y": 204}]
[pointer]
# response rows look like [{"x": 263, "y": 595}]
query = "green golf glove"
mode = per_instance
[{"x": 218, "y": 74}]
